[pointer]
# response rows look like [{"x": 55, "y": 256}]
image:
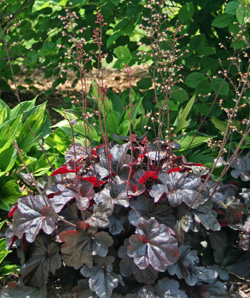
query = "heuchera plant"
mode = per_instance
[{"x": 138, "y": 225}]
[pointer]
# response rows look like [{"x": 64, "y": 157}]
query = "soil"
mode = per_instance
[
  {"x": 117, "y": 81},
  {"x": 114, "y": 79}
]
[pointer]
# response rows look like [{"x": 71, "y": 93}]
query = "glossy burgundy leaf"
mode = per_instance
[
  {"x": 77, "y": 152},
  {"x": 241, "y": 167},
  {"x": 100, "y": 216},
  {"x": 115, "y": 194},
  {"x": 245, "y": 236},
  {"x": 118, "y": 221},
  {"x": 31, "y": 216},
  {"x": 153, "y": 244},
  {"x": 85, "y": 242},
  {"x": 145, "y": 208},
  {"x": 119, "y": 159},
  {"x": 102, "y": 279},
  {"x": 178, "y": 187},
  {"x": 75, "y": 188},
  {"x": 187, "y": 267},
  {"x": 43, "y": 258},
  {"x": 167, "y": 288},
  {"x": 10, "y": 237},
  {"x": 128, "y": 267}
]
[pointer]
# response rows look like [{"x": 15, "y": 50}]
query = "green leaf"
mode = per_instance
[
  {"x": 9, "y": 192},
  {"x": 113, "y": 38},
  {"x": 38, "y": 120},
  {"x": 8, "y": 132},
  {"x": 186, "y": 140},
  {"x": 112, "y": 122},
  {"x": 144, "y": 83},
  {"x": 220, "y": 86},
  {"x": 41, "y": 166},
  {"x": 232, "y": 7},
  {"x": 116, "y": 2},
  {"x": 4, "y": 112},
  {"x": 122, "y": 52},
  {"x": 178, "y": 94},
  {"x": 181, "y": 122},
  {"x": 186, "y": 12},
  {"x": 223, "y": 20},
  {"x": 204, "y": 87},
  {"x": 220, "y": 125},
  {"x": 243, "y": 14},
  {"x": 26, "y": 105},
  {"x": 7, "y": 160},
  {"x": 206, "y": 50},
  {"x": 3, "y": 252},
  {"x": 197, "y": 41},
  {"x": 194, "y": 79},
  {"x": 124, "y": 128}
]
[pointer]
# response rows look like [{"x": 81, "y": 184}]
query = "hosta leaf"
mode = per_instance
[
  {"x": 102, "y": 279},
  {"x": 75, "y": 188},
  {"x": 164, "y": 288},
  {"x": 186, "y": 267},
  {"x": 31, "y": 216},
  {"x": 14, "y": 290},
  {"x": 153, "y": 244},
  {"x": 43, "y": 258},
  {"x": 84, "y": 242},
  {"x": 145, "y": 208}
]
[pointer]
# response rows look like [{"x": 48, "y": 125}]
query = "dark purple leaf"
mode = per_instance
[
  {"x": 85, "y": 242},
  {"x": 223, "y": 192},
  {"x": 14, "y": 290},
  {"x": 31, "y": 216},
  {"x": 128, "y": 267},
  {"x": 102, "y": 279},
  {"x": 118, "y": 221},
  {"x": 178, "y": 187},
  {"x": 100, "y": 215},
  {"x": 234, "y": 210},
  {"x": 245, "y": 237},
  {"x": 202, "y": 215},
  {"x": 164, "y": 288},
  {"x": 75, "y": 188},
  {"x": 43, "y": 258},
  {"x": 145, "y": 208},
  {"x": 187, "y": 267},
  {"x": 242, "y": 266},
  {"x": 153, "y": 244},
  {"x": 77, "y": 152},
  {"x": 116, "y": 194},
  {"x": 241, "y": 167},
  {"x": 119, "y": 159},
  {"x": 212, "y": 290}
]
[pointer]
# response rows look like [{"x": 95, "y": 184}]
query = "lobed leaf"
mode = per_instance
[
  {"x": 153, "y": 244},
  {"x": 31, "y": 216}
]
